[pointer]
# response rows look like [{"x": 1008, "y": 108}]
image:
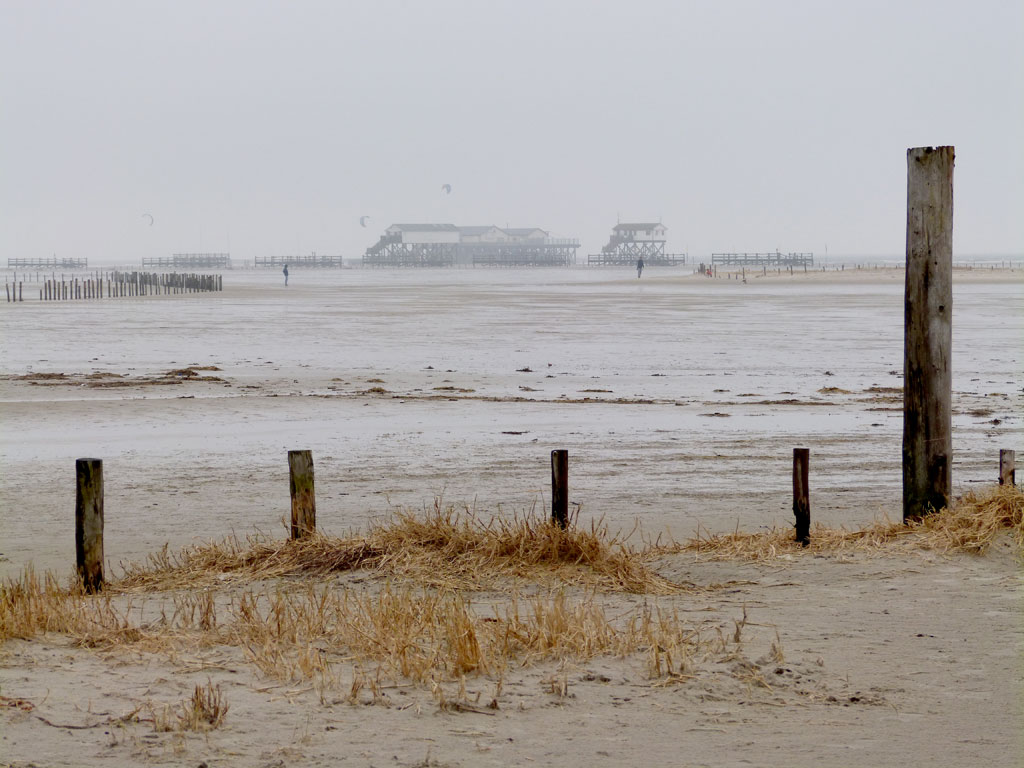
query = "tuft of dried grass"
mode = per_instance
[
  {"x": 204, "y": 711},
  {"x": 303, "y": 634},
  {"x": 31, "y": 606},
  {"x": 443, "y": 548},
  {"x": 970, "y": 525}
]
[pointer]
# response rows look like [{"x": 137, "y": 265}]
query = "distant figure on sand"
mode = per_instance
[
  {"x": 639, "y": 268},
  {"x": 285, "y": 275}
]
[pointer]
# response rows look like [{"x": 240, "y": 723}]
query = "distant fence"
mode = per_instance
[
  {"x": 628, "y": 260},
  {"x": 190, "y": 261},
  {"x": 312, "y": 260},
  {"x": 110, "y": 285},
  {"x": 772, "y": 259},
  {"x": 522, "y": 260},
  {"x": 48, "y": 263}
]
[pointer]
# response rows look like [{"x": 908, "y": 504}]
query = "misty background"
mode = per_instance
[{"x": 270, "y": 128}]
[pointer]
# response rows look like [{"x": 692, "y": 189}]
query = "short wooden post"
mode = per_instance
[
  {"x": 802, "y": 494},
  {"x": 928, "y": 333},
  {"x": 89, "y": 522},
  {"x": 1007, "y": 464},
  {"x": 300, "y": 482},
  {"x": 560, "y": 488}
]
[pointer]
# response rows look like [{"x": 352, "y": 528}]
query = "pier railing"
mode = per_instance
[{"x": 769, "y": 259}]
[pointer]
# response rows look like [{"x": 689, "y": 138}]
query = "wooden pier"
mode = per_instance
[
  {"x": 768, "y": 259},
  {"x": 53, "y": 263},
  {"x": 314, "y": 260},
  {"x": 620, "y": 260},
  {"x": 190, "y": 261},
  {"x": 551, "y": 252}
]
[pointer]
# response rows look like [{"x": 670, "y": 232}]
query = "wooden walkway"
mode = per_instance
[
  {"x": 190, "y": 261},
  {"x": 620, "y": 260},
  {"x": 313, "y": 260},
  {"x": 769, "y": 259},
  {"x": 48, "y": 263}
]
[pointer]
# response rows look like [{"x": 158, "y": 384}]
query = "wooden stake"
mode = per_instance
[
  {"x": 1007, "y": 463},
  {"x": 802, "y": 494},
  {"x": 560, "y": 488},
  {"x": 928, "y": 333},
  {"x": 89, "y": 522},
  {"x": 300, "y": 466}
]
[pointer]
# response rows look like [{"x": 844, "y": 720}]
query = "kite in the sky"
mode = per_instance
[
  {"x": 363, "y": 220},
  {"x": 148, "y": 216},
  {"x": 447, "y": 188}
]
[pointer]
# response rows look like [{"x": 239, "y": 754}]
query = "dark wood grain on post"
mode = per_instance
[
  {"x": 300, "y": 482},
  {"x": 1007, "y": 465},
  {"x": 89, "y": 522},
  {"x": 802, "y": 494},
  {"x": 928, "y": 333},
  {"x": 560, "y": 488}
]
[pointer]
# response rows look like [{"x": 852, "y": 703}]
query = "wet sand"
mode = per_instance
[{"x": 680, "y": 400}]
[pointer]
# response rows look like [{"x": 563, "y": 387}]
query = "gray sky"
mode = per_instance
[{"x": 269, "y": 128}]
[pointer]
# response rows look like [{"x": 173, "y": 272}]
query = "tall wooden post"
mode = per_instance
[
  {"x": 928, "y": 333},
  {"x": 1007, "y": 464},
  {"x": 802, "y": 494},
  {"x": 300, "y": 483},
  {"x": 560, "y": 488},
  {"x": 89, "y": 522}
]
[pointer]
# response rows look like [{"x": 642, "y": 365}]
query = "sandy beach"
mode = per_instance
[{"x": 679, "y": 398}]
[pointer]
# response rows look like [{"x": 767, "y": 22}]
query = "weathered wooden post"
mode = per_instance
[
  {"x": 89, "y": 522},
  {"x": 300, "y": 482},
  {"x": 928, "y": 333},
  {"x": 1007, "y": 464},
  {"x": 560, "y": 488},
  {"x": 802, "y": 494}
]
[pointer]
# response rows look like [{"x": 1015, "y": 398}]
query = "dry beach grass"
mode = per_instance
[
  {"x": 971, "y": 525},
  {"x": 450, "y": 613},
  {"x": 276, "y": 601},
  {"x": 443, "y": 548}
]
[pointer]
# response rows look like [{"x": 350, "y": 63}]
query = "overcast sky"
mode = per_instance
[{"x": 269, "y": 128}]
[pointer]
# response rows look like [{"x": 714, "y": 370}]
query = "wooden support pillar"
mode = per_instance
[
  {"x": 1007, "y": 464},
  {"x": 802, "y": 494},
  {"x": 928, "y": 333},
  {"x": 560, "y": 488},
  {"x": 89, "y": 522},
  {"x": 300, "y": 482}
]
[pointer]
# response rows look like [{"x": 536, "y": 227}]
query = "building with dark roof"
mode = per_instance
[{"x": 442, "y": 245}]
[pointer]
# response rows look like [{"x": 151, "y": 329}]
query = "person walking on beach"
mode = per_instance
[
  {"x": 639, "y": 267},
  {"x": 285, "y": 275}
]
